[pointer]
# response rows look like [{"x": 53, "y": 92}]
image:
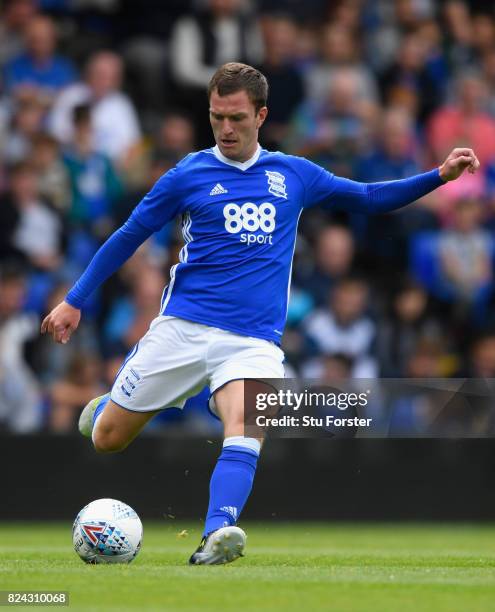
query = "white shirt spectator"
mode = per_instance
[
  {"x": 114, "y": 120},
  {"x": 20, "y": 397},
  {"x": 187, "y": 63},
  {"x": 38, "y": 231},
  {"x": 354, "y": 339}
]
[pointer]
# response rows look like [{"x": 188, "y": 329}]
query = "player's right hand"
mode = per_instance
[{"x": 61, "y": 322}]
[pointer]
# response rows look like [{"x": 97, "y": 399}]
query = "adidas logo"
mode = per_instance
[
  {"x": 232, "y": 510},
  {"x": 218, "y": 190}
]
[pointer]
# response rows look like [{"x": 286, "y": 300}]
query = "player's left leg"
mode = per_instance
[
  {"x": 233, "y": 359},
  {"x": 233, "y": 476},
  {"x": 231, "y": 481}
]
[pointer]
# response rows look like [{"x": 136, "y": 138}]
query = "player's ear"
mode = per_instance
[{"x": 262, "y": 113}]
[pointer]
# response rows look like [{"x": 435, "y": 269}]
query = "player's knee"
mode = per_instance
[{"x": 106, "y": 441}]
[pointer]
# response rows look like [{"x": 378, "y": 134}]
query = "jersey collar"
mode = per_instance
[{"x": 230, "y": 162}]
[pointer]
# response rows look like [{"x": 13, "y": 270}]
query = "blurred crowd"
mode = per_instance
[{"x": 98, "y": 98}]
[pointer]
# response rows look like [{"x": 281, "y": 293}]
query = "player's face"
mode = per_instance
[{"x": 235, "y": 124}]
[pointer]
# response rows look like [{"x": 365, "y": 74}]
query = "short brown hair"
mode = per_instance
[{"x": 234, "y": 76}]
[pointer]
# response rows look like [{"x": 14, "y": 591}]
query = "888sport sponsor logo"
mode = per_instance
[{"x": 250, "y": 218}]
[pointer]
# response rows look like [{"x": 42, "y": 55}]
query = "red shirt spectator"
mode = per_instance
[{"x": 464, "y": 123}]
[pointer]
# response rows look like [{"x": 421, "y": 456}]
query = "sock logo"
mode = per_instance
[{"x": 232, "y": 510}]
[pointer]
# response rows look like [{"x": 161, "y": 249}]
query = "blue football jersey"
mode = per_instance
[{"x": 239, "y": 222}]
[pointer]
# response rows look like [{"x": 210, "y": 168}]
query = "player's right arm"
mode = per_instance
[
  {"x": 158, "y": 207},
  {"x": 64, "y": 318}
]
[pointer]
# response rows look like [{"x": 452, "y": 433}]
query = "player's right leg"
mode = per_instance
[{"x": 115, "y": 427}]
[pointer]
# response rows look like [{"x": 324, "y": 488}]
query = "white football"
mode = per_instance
[{"x": 107, "y": 531}]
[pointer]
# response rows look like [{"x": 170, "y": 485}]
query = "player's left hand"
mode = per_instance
[{"x": 457, "y": 161}]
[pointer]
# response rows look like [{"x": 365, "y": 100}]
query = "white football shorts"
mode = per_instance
[{"x": 176, "y": 358}]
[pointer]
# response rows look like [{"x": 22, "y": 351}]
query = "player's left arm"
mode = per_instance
[{"x": 372, "y": 198}]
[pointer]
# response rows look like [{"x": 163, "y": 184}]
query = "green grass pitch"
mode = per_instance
[{"x": 290, "y": 567}]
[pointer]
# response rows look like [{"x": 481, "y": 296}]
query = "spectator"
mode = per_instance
[
  {"x": 336, "y": 367},
  {"x": 53, "y": 180},
  {"x": 458, "y": 34},
  {"x": 408, "y": 83},
  {"x": 307, "y": 49},
  {"x": 481, "y": 363},
  {"x": 394, "y": 154},
  {"x": 144, "y": 33},
  {"x": 413, "y": 412},
  {"x": 409, "y": 323},
  {"x": 16, "y": 15},
  {"x": 286, "y": 85},
  {"x": 436, "y": 65},
  {"x": 27, "y": 123},
  {"x": 176, "y": 136},
  {"x": 488, "y": 67},
  {"x": 333, "y": 131},
  {"x": 344, "y": 327},
  {"x": 94, "y": 183},
  {"x": 39, "y": 69},
  {"x": 68, "y": 396},
  {"x": 20, "y": 398},
  {"x": 340, "y": 49},
  {"x": 483, "y": 31},
  {"x": 333, "y": 259},
  {"x": 201, "y": 42},
  {"x": 9, "y": 219},
  {"x": 115, "y": 126},
  {"x": 464, "y": 123},
  {"x": 466, "y": 253},
  {"x": 38, "y": 232},
  {"x": 385, "y": 23}
]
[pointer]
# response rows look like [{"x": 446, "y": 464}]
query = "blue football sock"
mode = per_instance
[
  {"x": 231, "y": 482},
  {"x": 101, "y": 405}
]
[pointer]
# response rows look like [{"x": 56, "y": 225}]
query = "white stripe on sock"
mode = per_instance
[{"x": 250, "y": 443}]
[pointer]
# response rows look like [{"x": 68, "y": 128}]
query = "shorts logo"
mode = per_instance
[
  {"x": 129, "y": 382},
  {"x": 276, "y": 184}
]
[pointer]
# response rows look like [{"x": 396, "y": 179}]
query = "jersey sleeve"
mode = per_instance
[
  {"x": 163, "y": 203},
  {"x": 318, "y": 183},
  {"x": 108, "y": 259},
  {"x": 324, "y": 188}
]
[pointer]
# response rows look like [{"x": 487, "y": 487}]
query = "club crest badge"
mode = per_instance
[{"x": 276, "y": 184}]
